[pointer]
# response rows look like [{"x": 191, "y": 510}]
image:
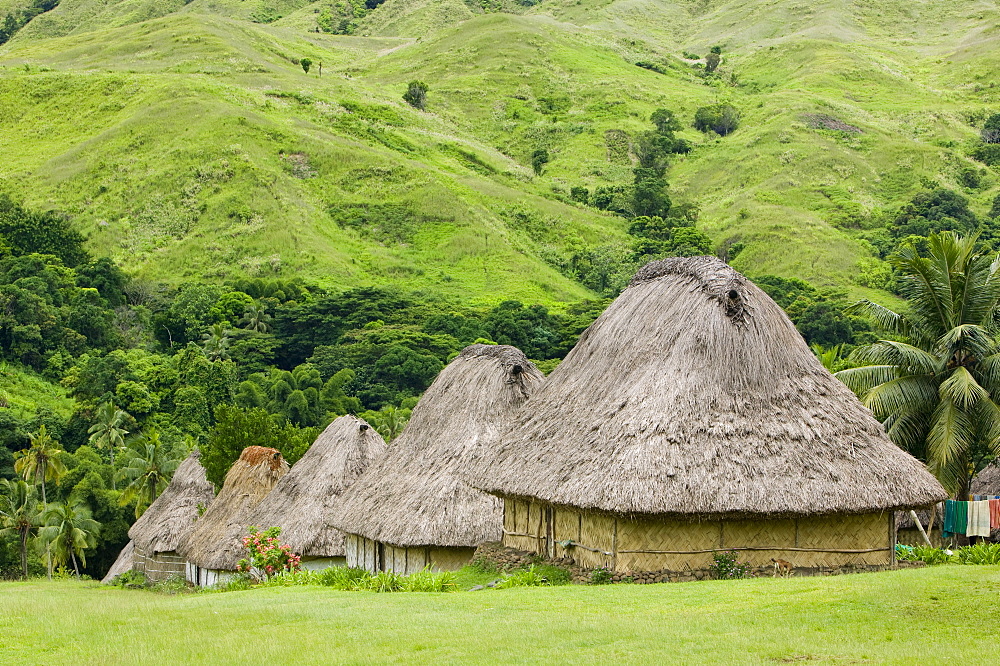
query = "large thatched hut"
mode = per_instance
[
  {"x": 157, "y": 533},
  {"x": 411, "y": 509},
  {"x": 301, "y": 502},
  {"x": 690, "y": 418},
  {"x": 212, "y": 549}
]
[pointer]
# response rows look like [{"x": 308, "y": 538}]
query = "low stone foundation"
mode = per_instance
[{"x": 506, "y": 559}]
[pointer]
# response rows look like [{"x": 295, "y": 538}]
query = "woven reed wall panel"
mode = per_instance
[
  {"x": 450, "y": 559},
  {"x": 395, "y": 559},
  {"x": 596, "y": 531},
  {"x": 139, "y": 560},
  {"x": 520, "y": 542},
  {"x": 567, "y": 524},
  {"x": 351, "y": 550},
  {"x": 509, "y": 509},
  {"x": 843, "y": 533},
  {"x": 652, "y": 534},
  {"x": 161, "y": 566}
]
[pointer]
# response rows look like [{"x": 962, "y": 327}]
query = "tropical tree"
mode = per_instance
[
  {"x": 107, "y": 431},
  {"x": 148, "y": 467},
  {"x": 40, "y": 462},
  {"x": 69, "y": 531},
  {"x": 935, "y": 386},
  {"x": 390, "y": 422},
  {"x": 255, "y": 318},
  {"x": 216, "y": 343},
  {"x": 19, "y": 515}
]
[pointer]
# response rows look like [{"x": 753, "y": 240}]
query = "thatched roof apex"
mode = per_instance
[
  {"x": 301, "y": 502},
  {"x": 216, "y": 541},
  {"x": 414, "y": 495},
  {"x": 172, "y": 515},
  {"x": 694, "y": 395}
]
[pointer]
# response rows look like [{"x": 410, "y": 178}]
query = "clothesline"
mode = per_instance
[{"x": 973, "y": 518}]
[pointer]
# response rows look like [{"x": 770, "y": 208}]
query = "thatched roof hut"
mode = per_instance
[
  {"x": 303, "y": 499},
  {"x": 987, "y": 482},
  {"x": 122, "y": 564},
  {"x": 693, "y": 398},
  {"x": 216, "y": 542},
  {"x": 411, "y": 509},
  {"x": 157, "y": 533}
]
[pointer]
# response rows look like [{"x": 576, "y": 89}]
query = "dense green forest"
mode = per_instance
[{"x": 225, "y": 223}]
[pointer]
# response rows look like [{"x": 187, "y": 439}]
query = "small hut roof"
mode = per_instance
[
  {"x": 171, "y": 516},
  {"x": 122, "y": 564},
  {"x": 414, "y": 496},
  {"x": 987, "y": 482},
  {"x": 693, "y": 394},
  {"x": 216, "y": 541},
  {"x": 301, "y": 502}
]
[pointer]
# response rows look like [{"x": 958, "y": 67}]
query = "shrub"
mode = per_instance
[
  {"x": 727, "y": 566},
  {"x": 712, "y": 61},
  {"x": 722, "y": 119},
  {"x": 600, "y": 576},
  {"x": 555, "y": 575},
  {"x": 530, "y": 577},
  {"x": 306, "y": 64},
  {"x": 416, "y": 94},
  {"x": 539, "y": 158},
  {"x": 428, "y": 581},
  {"x": 131, "y": 580},
  {"x": 991, "y": 129},
  {"x": 981, "y": 553},
  {"x": 926, "y": 554},
  {"x": 268, "y": 555},
  {"x": 386, "y": 581}
]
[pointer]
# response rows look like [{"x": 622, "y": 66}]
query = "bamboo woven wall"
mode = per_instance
[
  {"x": 652, "y": 544},
  {"x": 158, "y": 566}
]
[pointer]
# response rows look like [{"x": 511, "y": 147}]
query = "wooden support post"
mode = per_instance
[{"x": 913, "y": 514}]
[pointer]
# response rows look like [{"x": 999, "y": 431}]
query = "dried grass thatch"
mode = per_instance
[
  {"x": 172, "y": 515},
  {"x": 216, "y": 542},
  {"x": 414, "y": 496},
  {"x": 302, "y": 501},
  {"x": 122, "y": 564},
  {"x": 987, "y": 482},
  {"x": 694, "y": 395}
]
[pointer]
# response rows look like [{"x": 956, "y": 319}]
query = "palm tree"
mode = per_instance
[
  {"x": 19, "y": 515},
  {"x": 255, "y": 318},
  {"x": 216, "y": 344},
  {"x": 935, "y": 387},
  {"x": 69, "y": 531},
  {"x": 107, "y": 431},
  {"x": 40, "y": 462},
  {"x": 148, "y": 467},
  {"x": 390, "y": 422}
]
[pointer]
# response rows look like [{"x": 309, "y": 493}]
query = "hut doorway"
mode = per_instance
[{"x": 380, "y": 557}]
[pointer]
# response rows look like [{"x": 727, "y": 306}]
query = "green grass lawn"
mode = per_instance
[{"x": 935, "y": 615}]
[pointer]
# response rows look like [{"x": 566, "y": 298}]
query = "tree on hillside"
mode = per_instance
[
  {"x": 306, "y": 64},
  {"x": 416, "y": 94},
  {"x": 69, "y": 531},
  {"x": 991, "y": 129},
  {"x": 107, "y": 431},
  {"x": 712, "y": 61},
  {"x": 19, "y": 515},
  {"x": 935, "y": 386},
  {"x": 539, "y": 158},
  {"x": 255, "y": 318},
  {"x": 722, "y": 119},
  {"x": 40, "y": 462},
  {"x": 216, "y": 343},
  {"x": 148, "y": 466}
]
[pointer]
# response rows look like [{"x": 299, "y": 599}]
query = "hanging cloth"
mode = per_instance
[
  {"x": 961, "y": 517},
  {"x": 979, "y": 519},
  {"x": 948, "y": 526},
  {"x": 994, "y": 514}
]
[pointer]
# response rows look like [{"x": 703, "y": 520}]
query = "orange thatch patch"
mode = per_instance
[{"x": 257, "y": 455}]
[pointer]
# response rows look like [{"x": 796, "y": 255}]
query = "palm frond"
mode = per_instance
[
  {"x": 862, "y": 379},
  {"x": 949, "y": 441},
  {"x": 908, "y": 358},
  {"x": 909, "y": 393},
  {"x": 962, "y": 389}
]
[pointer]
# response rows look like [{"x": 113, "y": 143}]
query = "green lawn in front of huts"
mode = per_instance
[{"x": 935, "y": 615}]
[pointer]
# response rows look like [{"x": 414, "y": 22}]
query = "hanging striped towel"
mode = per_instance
[
  {"x": 948, "y": 525},
  {"x": 994, "y": 514},
  {"x": 979, "y": 519}
]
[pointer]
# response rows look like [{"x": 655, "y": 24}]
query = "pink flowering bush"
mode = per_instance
[{"x": 268, "y": 555}]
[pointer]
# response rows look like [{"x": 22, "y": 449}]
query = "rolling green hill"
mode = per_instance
[{"x": 186, "y": 140}]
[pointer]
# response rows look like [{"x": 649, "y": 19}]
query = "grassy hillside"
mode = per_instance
[
  {"x": 885, "y": 618},
  {"x": 193, "y": 144}
]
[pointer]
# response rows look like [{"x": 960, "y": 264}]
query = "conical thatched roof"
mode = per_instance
[
  {"x": 302, "y": 501},
  {"x": 216, "y": 542},
  {"x": 693, "y": 394},
  {"x": 122, "y": 564},
  {"x": 987, "y": 482},
  {"x": 414, "y": 496},
  {"x": 172, "y": 515}
]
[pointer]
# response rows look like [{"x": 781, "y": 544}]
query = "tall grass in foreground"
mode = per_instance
[{"x": 353, "y": 579}]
